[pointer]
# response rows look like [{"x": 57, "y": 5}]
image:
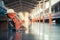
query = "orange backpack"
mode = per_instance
[{"x": 16, "y": 21}]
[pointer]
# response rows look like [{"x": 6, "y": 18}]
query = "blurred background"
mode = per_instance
[{"x": 29, "y": 19}]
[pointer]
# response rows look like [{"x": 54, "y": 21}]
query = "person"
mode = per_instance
[
  {"x": 12, "y": 14},
  {"x": 3, "y": 9}
]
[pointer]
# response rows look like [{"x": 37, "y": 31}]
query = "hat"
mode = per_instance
[{"x": 10, "y": 11}]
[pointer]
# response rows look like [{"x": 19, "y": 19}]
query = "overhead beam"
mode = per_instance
[
  {"x": 24, "y": 7},
  {"x": 15, "y": 4},
  {"x": 42, "y": 1},
  {"x": 9, "y": 1},
  {"x": 28, "y": 6},
  {"x": 12, "y": 3},
  {"x": 18, "y": 10},
  {"x": 32, "y": 4},
  {"x": 31, "y": 1}
]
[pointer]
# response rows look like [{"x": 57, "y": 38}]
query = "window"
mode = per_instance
[{"x": 56, "y": 8}]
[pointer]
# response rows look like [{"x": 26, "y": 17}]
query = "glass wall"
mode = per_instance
[{"x": 56, "y": 8}]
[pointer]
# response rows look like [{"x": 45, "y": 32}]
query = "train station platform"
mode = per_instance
[
  {"x": 35, "y": 33},
  {"x": 29, "y": 19}
]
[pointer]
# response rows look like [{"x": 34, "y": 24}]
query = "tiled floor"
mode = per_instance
[{"x": 35, "y": 33}]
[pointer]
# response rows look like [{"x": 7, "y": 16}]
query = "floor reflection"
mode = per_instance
[
  {"x": 18, "y": 36},
  {"x": 3, "y": 35},
  {"x": 35, "y": 33}
]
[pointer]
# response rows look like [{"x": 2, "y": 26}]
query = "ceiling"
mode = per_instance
[{"x": 21, "y": 5}]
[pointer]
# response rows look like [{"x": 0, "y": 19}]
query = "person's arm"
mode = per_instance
[
  {"x": 0, "y": 0},
  {"x": 3, "y": 9}
]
